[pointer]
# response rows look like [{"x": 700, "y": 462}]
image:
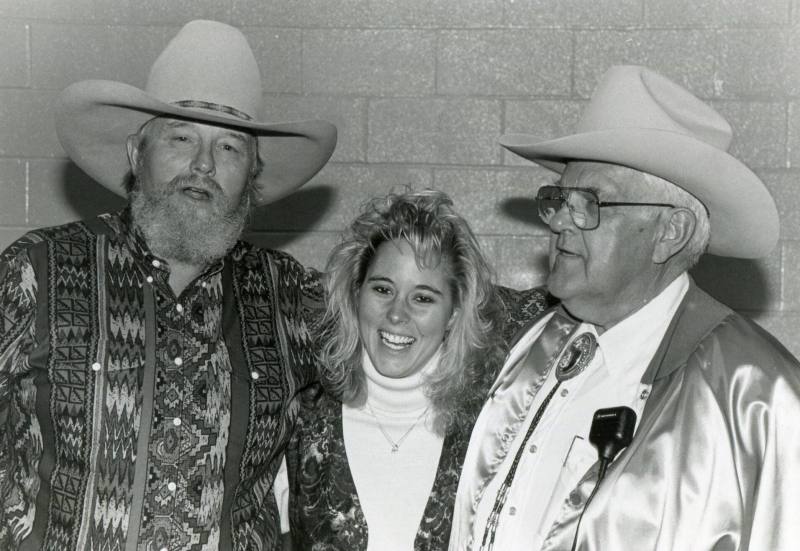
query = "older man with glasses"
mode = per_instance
[{"x": 640, "y": 413}]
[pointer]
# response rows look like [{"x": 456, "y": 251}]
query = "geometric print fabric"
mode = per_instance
[{"x": 72, "y": 393}]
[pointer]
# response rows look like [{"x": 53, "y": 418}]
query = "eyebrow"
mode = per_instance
[
  {"x": 423, "y": 287},
  {"x": 235, "y": 134}
]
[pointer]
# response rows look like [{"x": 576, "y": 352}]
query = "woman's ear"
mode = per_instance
[{"x": 453, "y": 317}]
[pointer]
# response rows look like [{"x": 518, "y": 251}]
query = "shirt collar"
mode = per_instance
[{"x": 631, "y": 343}]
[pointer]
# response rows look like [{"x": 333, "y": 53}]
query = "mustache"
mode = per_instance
[{"x": 195, "y": 180}]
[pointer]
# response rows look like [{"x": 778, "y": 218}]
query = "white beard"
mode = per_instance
[{"x": 175, "y": 231}]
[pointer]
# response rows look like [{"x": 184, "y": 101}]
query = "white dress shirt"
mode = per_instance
[{"x": 558, "y": 453}]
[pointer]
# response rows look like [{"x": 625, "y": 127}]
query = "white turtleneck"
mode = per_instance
[{"x": 393, "y": 487}]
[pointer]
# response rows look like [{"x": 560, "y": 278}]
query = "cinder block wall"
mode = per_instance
[{"x": 420, "y": 90}]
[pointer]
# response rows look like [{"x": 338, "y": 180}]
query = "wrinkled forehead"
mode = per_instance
[{"x": 603, "y": 178}]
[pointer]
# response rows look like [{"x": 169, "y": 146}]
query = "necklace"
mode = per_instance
[{"x": 395, "y": 444}]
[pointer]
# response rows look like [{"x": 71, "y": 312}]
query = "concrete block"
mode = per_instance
[
  {"x": 27, "y": 119},
  {"x": 790, "y": 282},
  {"x": 129, "y": 12},
  {"x": 12, "y": 192},
  {"x": 785, "y": 188},
  {"x": 544, "y": 119},
  {"x": 51, "y": 10},
  {"x": 280, "y": 57},
  {"x": 9, "y": 235},
  {"x": 712, "y": 13},
  {"x": 60, "y": 192},
  {"x": 505, "y": 62},
  {"x": 793, "y": 140},
  {"x": 759, "y": 132},
  {"x": 378, "y": 63},
  {"x": 335, "y": 196},
  {"x": 14, "y": 70},
  {"x": 310, "y": 249},
  {"x": 457, "y": 131},
  {"x": 158, "y": 12},
  {"x": 759, "y": 63},
  {"x": 685, "y": 56},
  {"x": 783, "y": 326},
  {"x": 519, "y": 262},
  {"x": 739, "y": 283},
  {"x": 63, "y": 54},
  {"x": 497, "y": 202},
  {"x": 348, "y": 114},
  {"x": 436, "y": 13},
  {"x": 305, "y": 14},
  {"x": 574, "y": 13}
]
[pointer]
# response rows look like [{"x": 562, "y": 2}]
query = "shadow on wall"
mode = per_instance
[
  {"x": 523, "y": 209},
  {"x": 738, "y": 283},
  {"x": 278, "y": 224},
  {"x": 82, "y": 195}
]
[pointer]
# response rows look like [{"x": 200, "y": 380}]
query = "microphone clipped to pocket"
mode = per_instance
[{"x": 611, "y": 432}]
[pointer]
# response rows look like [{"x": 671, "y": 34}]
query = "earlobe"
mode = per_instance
[
  {"x": 132, "y": 145},
  {"x": 453, "y": 317},
  {"x": 676, "y": 231}
]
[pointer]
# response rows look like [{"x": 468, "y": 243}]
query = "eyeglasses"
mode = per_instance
[{"x": 583, "y": 204}]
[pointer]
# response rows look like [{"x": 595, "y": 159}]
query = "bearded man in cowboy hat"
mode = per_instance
[
  {"x": 148, "y": 358},
  {"x": 646, "y": 187}
]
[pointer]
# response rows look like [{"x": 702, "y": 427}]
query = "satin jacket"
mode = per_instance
[{"x": 715, "y": 461}]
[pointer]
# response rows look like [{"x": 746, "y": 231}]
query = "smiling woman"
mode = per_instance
[{"x": 417, "y": 334}]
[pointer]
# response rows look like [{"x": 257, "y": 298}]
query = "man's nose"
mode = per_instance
[
  {"x": 203, "y": 162},
  {"x": 561, "y": 219}
]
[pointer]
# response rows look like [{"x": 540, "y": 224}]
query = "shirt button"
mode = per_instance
[
  {"x": 179, "y": 308},
  {"x": 96, "y": 366},
  {"x": 156, "y": 264},
  {"x": 178, "y": 361},
  {"x": 533, "y": 448},
  {"x": 177, "y": 421},
  {"x": 564, "y": 391},
  {"x": 512, "y": 511},
  {"x": 203, "y": 284},
  {"x": 163, "y": 549},
  {"x": 149, "y": 279},
  {"x": 645, "y": 393},
  {"x": 254, "y": 375},
  {"x": 172, "y": 486},
  {"x": 575, "y": 498}
]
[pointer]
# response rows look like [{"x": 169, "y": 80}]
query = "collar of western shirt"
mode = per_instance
[
  {"x": 397, "y": 395},
  {"x": 634, "y": 340}
]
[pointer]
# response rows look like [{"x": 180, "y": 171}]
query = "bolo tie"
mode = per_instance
[{"x": 571, "y": 363}]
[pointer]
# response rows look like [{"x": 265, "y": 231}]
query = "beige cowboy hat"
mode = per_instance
[
  {"x": 207, "y": 73},
  {"x": 640, "y": 119}
]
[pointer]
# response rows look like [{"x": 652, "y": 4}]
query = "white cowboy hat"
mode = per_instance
[
  {"x": 207, "y": 73},
  {"x": 640, "y": 119}
]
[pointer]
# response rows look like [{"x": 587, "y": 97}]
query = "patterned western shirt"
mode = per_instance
[{"x": 132, "y": 419}]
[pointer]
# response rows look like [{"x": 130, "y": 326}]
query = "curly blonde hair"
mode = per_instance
[{"x": 436, "y": 233}]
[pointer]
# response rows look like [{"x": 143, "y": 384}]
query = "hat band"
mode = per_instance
[{"x": 196, "y": 104}]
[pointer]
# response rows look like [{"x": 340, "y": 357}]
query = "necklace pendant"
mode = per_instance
[{"x": 395, "y": 447}]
